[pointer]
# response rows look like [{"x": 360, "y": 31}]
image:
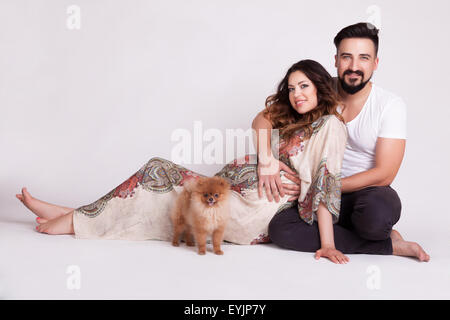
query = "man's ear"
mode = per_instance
[
  {"x": 335, "y": 60},
  {"x": 377, "y": 60}
]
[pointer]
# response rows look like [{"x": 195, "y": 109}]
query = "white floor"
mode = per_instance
[{"x": 38, "y": 266}]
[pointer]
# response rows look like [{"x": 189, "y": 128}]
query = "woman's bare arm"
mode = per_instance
[
  {"x": 261, "y": 125},
  {"x": 326, "y": 232}
]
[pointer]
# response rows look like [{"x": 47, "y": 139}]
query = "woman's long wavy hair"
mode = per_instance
[{"x": 285, "y": 118}]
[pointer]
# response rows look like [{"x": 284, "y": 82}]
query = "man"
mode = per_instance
[{"x": 376, "y": 123}]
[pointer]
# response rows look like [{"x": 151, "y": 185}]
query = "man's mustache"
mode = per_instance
[{"x": 348, "y": 72}]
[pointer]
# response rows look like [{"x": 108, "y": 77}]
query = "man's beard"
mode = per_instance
[{"x": 351, "y": 89}]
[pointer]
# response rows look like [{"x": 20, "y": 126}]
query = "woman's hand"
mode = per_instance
[
  {"x": 331, "y": 253},
  {"x": 270, "y": 179}
]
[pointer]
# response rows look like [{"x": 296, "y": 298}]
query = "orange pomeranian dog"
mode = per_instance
[{"x": 202, "y": 210}]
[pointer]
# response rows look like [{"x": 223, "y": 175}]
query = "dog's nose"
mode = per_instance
[{"x": 210, "y": 200}]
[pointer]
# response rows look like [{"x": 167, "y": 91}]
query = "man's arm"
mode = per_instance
[{"x": 388, "y": 158}]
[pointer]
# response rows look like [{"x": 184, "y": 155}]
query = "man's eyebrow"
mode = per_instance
[
  {"x": 291, "y": 85},
  {"x": 361, "y": 55}
]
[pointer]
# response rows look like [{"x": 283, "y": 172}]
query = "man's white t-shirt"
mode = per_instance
[{"x": 382, "y": 116}]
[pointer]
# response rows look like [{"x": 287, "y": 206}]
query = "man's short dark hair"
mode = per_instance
[{"x": 358, "y": 30}]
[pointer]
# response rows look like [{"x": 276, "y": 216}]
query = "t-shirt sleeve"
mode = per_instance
[{"x": 393, "y": 120}]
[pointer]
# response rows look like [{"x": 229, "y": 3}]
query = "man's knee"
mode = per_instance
[{"x": 376, "y": 212}]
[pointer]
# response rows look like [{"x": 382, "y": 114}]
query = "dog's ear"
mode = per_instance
[
  {"x": 224, "y": 183},
  {"x": 200, "y": 181}
]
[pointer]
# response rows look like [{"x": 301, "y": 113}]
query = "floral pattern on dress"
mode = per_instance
[
  {"x": 241, "y": 173},
  {"x": 157, "y": 175},
  {"x": 325, "y": 188},
  {"x": 262, "y": 238},
  {"x": 295, "y": 145}
]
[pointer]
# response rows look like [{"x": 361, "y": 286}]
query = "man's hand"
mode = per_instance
[
  {"x": 294, "y": 189},
  {"x": 270, "y": 179}
]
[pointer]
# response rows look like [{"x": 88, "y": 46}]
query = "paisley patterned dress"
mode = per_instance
[{"x": 138, "y": 209}]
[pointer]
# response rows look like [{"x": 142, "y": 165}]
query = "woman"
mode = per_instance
[{"x": 311, "y": 143}]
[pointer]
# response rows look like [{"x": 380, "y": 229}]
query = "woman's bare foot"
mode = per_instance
[
  {"x": 407, "y": 248},
  {"x": 40, "y": 208},
  {"x": 60, "y": 225}
]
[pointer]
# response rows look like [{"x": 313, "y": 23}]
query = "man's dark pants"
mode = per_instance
[{"x": 365, "y": 222}]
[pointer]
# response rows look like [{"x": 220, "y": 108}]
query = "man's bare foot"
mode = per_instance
[
  {"x": 60, "y": 225},
  {"x": 40, "y": 208},
  {"x": 395, "y": 235},
  {"x": 407, "y": 248}
]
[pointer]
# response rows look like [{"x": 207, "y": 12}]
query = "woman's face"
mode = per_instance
[{"x": 302, "y": 92}]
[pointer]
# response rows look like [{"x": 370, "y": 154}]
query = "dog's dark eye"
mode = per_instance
[
  {"x": 205, "y": 195},
  {"x": 216, "y": 195}
]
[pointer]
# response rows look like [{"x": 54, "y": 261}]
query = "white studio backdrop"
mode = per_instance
[{"x": 91, "y": 90}]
